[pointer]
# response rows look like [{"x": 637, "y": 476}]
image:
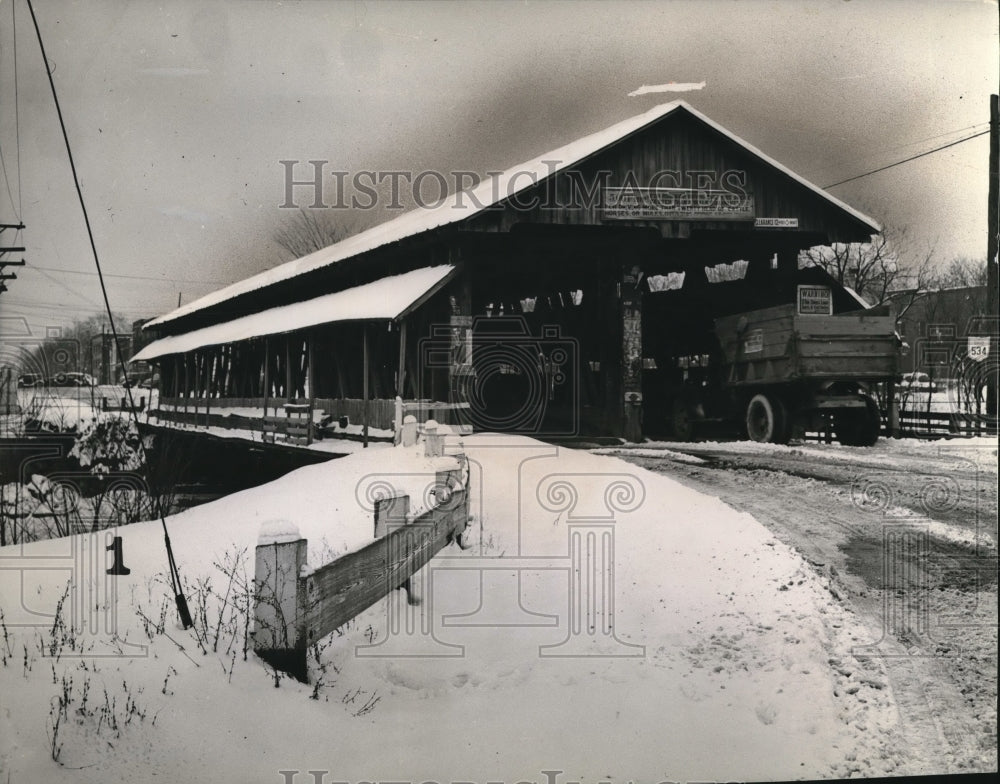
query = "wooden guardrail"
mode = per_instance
[
  {"x": 932, "y": 424},
  {"x": 295, "y": 427},
  {"x": 915, "y": 422},
  {"x": 381, "y": 415},
  {"x": 122, "y": 404},
  {"x": 295, "y": 607}
]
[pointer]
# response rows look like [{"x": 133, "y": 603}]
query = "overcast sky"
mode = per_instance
[{"x": 179, "y": 113}]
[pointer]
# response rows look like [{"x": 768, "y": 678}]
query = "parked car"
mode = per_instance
[
  {"x": 31, "y": 380},
  {"x": 920, "y": 382},
  {"x": 72, "y": 379},
  {"x": 134, "y": 380}
]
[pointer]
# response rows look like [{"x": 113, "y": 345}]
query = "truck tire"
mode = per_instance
[
  {"x": 859, "y": 426},
  {"x": 767, "y": 419}
]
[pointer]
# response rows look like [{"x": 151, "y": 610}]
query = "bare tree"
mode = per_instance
[
  {"x": 964, "y": 272},
  {"x": 937, "y": 323},
  {"x": 312, "y": 230},
  {"x": 76, "y": 348},
  {"x": 877, "y": 270}
]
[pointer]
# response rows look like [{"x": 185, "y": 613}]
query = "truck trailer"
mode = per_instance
[{"x": 773, "y": 373}]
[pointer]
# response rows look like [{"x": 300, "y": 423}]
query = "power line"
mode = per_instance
[
  {"x": 907, "y": 160},
  {"x": 65, "y": 287},
  {"x": 131, "y": 277},
  {"x": 72, "y": 308},
  {"x": 6, "y": 179},
  {"x": 175, "y": 577},
  {"x": 913, "y": 142},
  {"x": 16, "y": 206},
  {"x": 17, "y": 110}
]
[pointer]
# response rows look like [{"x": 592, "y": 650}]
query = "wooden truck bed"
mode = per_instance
[{"x": 776, "y": 345}]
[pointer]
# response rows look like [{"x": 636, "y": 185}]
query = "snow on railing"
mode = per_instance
[{"x": 297, "y": 606}]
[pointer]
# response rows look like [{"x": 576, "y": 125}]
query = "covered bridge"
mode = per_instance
[{"x": 553, "y": 299}]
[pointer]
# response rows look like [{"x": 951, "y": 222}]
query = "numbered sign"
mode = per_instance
[{"x": 979, "y": 348}]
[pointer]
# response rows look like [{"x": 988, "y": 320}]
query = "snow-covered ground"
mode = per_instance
[
  {"x": 887, "y": 452},
  {"x": 931, "y": 603},
  {"x": 730, "y": 657}
]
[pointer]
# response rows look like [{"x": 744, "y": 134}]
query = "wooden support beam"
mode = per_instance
[
  {"x": 631, "y": 355},
  {"x": 401, "y": 373},
  {"x": 310, "y": 382},
  {"x": 339, "y": 368},
  {"x": 209, "y": 378},
  {"x": 267, "y": 372},
  {"x": 288, "y": 368},
  {"x": 187, "y": 382},
  {"x": 196, "y": 383},
  {"x": 365, "y": 371},
  {"x": 993, "y": 252}
]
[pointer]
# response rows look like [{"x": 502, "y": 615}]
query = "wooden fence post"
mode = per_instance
[
  {"x": 408, "y": 436},
  {"x": 893, "y": 409},
  {"x": 397, "y": 421},
  {"x": 390, "y": 512},
  {"x": 279, "y": 636},
  {"x": 433, "y": 440},
  {"x": 295, "y": 606}
]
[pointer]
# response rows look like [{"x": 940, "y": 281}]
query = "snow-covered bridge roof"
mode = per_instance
[
  {"x": 387, "y": 298},
  {"x": 472, "y": 201}
]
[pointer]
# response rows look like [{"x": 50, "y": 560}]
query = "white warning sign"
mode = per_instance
[{"x": 979, "y": 348}]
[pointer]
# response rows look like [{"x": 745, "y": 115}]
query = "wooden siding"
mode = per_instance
[{"x": 677, "y": 143}]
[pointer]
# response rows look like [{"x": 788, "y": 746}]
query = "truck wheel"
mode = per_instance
[
  {"x": 767, "y": 419},
  {"x": 859, "y": 426}
]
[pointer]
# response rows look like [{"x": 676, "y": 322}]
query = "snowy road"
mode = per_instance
[{"x": 920, "y": 519}]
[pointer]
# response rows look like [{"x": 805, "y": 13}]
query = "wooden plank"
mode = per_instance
[
  {"x": 340, "y": 590},
  {"x": 311, "y": 369},
  {"x": 845, "y": 324},
  {"x": 381, "y": 411},
  {"x": 288, "y": 367},
  {"x": 267, "y": 368}
]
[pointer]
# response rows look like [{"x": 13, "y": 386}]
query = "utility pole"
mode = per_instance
[
  {"x": 992, "y": 248},
  {"x": 5, "y": 262}
]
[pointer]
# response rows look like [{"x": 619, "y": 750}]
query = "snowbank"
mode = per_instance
[
  {"x": 981, "y": 450},
  {"x": 732, "y": 659}
]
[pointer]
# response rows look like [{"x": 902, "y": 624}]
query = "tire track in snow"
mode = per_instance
[{"x": 946, "y": 699}]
